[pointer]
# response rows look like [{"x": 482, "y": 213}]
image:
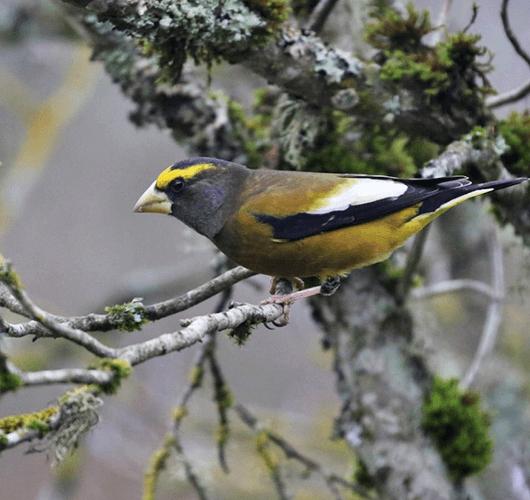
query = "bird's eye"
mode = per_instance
[{"x": 176, "y": 186}]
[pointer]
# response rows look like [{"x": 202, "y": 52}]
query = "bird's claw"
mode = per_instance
[
  {"x": 281, "y": 300},
  {"x": 330, "y": 286}
]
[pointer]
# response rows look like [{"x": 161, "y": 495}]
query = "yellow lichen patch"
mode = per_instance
[
  {"x": 169, "y": 175},
  {"x": 37, "y": 420}
]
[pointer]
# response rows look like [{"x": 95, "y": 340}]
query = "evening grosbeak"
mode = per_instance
[{"x": 299, "y": 224}]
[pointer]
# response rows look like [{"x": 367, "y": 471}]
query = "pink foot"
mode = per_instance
[{"x": 287, "y": 300}]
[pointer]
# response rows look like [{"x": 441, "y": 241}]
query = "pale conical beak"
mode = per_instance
[{"x": 153, "y": 200}]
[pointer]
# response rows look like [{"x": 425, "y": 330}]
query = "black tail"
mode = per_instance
[{"x": 453, "y": 193}]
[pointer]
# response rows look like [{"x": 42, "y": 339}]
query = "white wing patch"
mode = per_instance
[{"x": 357, "y": 192}]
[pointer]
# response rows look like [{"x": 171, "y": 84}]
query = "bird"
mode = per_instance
[{"x": 294, "y": 224}]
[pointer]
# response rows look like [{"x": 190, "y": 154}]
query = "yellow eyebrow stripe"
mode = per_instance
[{"x": 169, "y": 175}]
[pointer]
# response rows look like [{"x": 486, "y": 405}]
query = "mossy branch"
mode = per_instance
[{"x": 295, "y": 60}]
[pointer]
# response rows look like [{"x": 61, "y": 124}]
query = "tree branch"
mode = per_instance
[
  {"x": 494, "y": 314},
  {"x": 62, "y": 376},
  {"x": 25, "y": 435},
  {"x": 55, "y": 329},
  {"x": 199, "y": 294},
  {"x": 382, "y": 381},
  {"x": 104, "y": 323},
  {"x": 47, "y": 325},
  {"x": 197, "y": 328},
  {"x": 481, "y": 153},
  {"x": 295, "y": 60}
]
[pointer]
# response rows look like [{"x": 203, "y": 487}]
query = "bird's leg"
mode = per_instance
[
  {"x": 280, "y": 289},
  {"x": 274, "y": 282},
  {"x": 330, "y": 286}
]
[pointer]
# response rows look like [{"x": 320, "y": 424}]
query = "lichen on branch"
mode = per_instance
[{"x": 203, "y": 30}]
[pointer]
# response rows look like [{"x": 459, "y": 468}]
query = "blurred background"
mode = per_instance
[{"x": 73, "y": 166}]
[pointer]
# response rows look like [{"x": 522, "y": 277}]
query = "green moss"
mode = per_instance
[
  {"x": 224, "y": 397},
  {"x": 127, "y": 317},
  {"x": 222, "y": 434},
  {"x": 268, "y": 457},
  {"x": 390, "y": 275},
  {"x": 420, "y": 68},
  {"x": 178, "y": 413},
  {"x": 38, "y": 420},
  {"x": 516, "y": 132},
  {"x": 362, "y": 477},
  {"x": 446, "y": 73},
  {"x": 390, "y": 31},
  {"x": 39, "y": 425},
  {"x": 459, "y": 427},
  {"x": 196, "y": 375},
  {"x": 486, "y": 138},
  {"x": 9, "y": 382},
  {"x": 372, "y": 149},
  {"x": 335, "y": 144},
  {"x": 157, "y": 464},
  {"x": 478, "y": 138},
  {"x": 242, "y": 332},
  {"x": 460, "y": 51},
  {"x": 252, "y": 133},
  {"x": 171, "y": 56},
  {"x": 121, "y": 368},
  {"x": 8, "y": 275}
]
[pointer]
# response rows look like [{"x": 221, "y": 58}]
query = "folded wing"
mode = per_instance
[{"x": 367, "y": 198}]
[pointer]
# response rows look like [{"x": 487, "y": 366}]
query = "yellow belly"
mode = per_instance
[{"x": 327, "y": 254}]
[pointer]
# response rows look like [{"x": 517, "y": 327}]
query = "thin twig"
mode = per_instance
[
  {"x": 509, "y": 33},
  {"x": 172, "y": 440},
  {"x": 438, "y": 35},
  {"x": 158, "y": 464},
  {"x": 9, "y": 302},
  {"x": 319, "y": 15},
  {"x": 452, "y": 286},
  {"x": 57, "y": 329},
  {"x": 523, "y": 90},
  {"x": 223, "y": 399},
  {"x": 196, "y": 329},
  {"x": 413, "y": 260},
  {"x": 475, "y": 8},
  {"x": 195, "y": 382},
  {"x": 103, "y": 323},
  {"x": 4, "y": 325},
  {"x": 494, "y": 314},
  {"x": 62, "y": 376},
  {"x": 262, "y": 447},
  {"x": 290, "y": 452},
  {"x": 192, "y": 478},
  {"x": 508, "y": 97},
  {"x": 159, "y": 458},
  {"x": 199, "y": 294}
]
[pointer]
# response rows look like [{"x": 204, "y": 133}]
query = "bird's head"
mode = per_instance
[{"x": 198, "y": 191}]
